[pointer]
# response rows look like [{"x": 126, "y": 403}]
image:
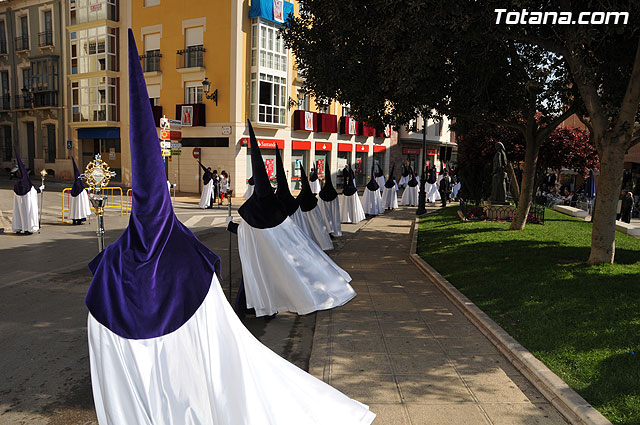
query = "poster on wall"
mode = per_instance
[
  {"x": 278, "y": 11},
  {"x": 187, "y": 116},
  {"x": 352, "y": 126},
  {"x": 320, "y": 169},
  {"x": 358, "y": 166},
  {"x": 308, "y": 121},
  {"x": 268, "y": 163}
]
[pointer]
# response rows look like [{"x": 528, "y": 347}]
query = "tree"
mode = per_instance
[{"x": 393, "y": 63}]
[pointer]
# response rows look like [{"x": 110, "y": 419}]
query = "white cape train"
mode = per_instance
[
  {"x": 315, "y": 186},
  {"x": 25, "y": 212},
  {"x": 331, "y": 215},
  {"x": 372, "y": 202},
  {"x": 79, "y": 207},
  {"x": 433, "y": 194},
  {"x": 317, "y": 226},
  {"x": 210, "y": 371},
  {"x": 351, "y": 209},
  {"x": 207, "y": 195},
  {"x": 273, "y": 276}
]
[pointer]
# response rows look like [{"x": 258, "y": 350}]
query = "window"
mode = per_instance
[
  {"x": 3, "y": 38},
  {"x": 193, "y": 93},
  {"x": 346, "y": 110},
  {"x": 5, "y": 100},
  {"x": 94, "y": 99},
  {"x": 152, "y": 54},
  {"x": 44, "y": 81},
  {"x": 51, "y": 142},
  {"x": 22, "y": 41},
  {"x": 7, "y": 145},
  {"x": 269, "y": 74},
  {"x": 46, "y": 36},
  {"x": 303, "y": 101},
  {"x": 193, "y": 54},
  {"x": 154, "y": 94},
  {"x": 323, "y": 108},
  {"x": 26, "y": 78},
  {"x": 94, "y": 49},
  {"x": 81, "y": 11}
]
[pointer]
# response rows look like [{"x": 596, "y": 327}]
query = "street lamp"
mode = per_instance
[{"x": 206, "y": 86}]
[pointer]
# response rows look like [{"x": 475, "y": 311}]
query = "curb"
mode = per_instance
[{"x": 568, "y": 402}]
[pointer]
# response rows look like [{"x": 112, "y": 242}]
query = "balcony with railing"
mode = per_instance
[
  {"x": 45, "y": 39},
  {"x": 22, "y": 43},
  {"x": 191, "y": 57},
  {"x": 5, "y": 102},
  {"x": 39, "y": 99},
  {"x": 151, "y": 61}
]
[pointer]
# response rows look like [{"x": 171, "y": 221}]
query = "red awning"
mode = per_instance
[
  {"x": 348, "y": 125},
  {"x": 365, "y": 130},
  {"x": 345, "y": 147},
  {"x": 300, "y": 145},
  {"x": 362, "y": 148},
  {"x": 263, "y": 143},
  {"x": 323, "y": 146},
  {"x": 379, "y": 148},
  {"x": 411, "y": 151}
]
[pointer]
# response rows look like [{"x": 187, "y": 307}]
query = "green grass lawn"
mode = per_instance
[{"x": 582, "y": 321}]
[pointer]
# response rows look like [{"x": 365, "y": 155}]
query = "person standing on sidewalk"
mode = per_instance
[
  {"x": 79, "y": 206},
  {"x": 206, "y": 200},
  {"x": 626, "y": 207},
  {"x": 445, "y": 188},
  {"x": 25, "y": 202}
]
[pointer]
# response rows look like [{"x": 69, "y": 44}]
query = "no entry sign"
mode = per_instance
[{"x": 196, "y": 153}]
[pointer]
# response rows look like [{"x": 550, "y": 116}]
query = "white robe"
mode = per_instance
[
  {"x": 79, "y": 207},
  {"x": 433, "y": 194},
  {"x": 210, "y": 371},
  {"x": 315, "y": 186},
  {"x": 25, "y": 212},
  {"x": 403, "y": 181},
  {"x": 207, "y": 194},
  {"x": 319, "y": 230},
  {"x": 331, "y": 215},
  {"x": 301, "y": 221},
  {"x": 285, "y": 270},
  {"x": 456, "y": 189},
  {"x": 380, "y": 180},
  {"x": 351, "y": 209},
  {"x": 410, "y": 196},
  {"x": 249, "y": 191},
  {"x": 390, "y": 197},
  {"x": 372, "y": 202}
]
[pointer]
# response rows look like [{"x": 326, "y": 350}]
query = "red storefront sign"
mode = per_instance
[
  {"x": 263, "y": 143},
  {"x": 300, "y": 145},
  {"x": 432, "y": 151},
  {"x": 344, "y": 147},
  {"x": 269, "y": 165},
  {"x": 326, "y": 123},
  {"x": 362, "y": 148},
  {"x": 379, "y": 148},
  {"x": 411, "y": 151},
  {"x": 323, "y": 146}
]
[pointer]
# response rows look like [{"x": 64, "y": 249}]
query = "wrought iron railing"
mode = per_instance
[
  {"x": 191, "y": 57},
  {"x": 474, "y": 211},
  {"x": 151, "y": 61},
  {"x": 22, "y": 43},
  {"x": 5, "y": 102},
  {"x": 45, "y": 38}
]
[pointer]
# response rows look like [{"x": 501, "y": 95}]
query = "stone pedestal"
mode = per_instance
[{"x": 498, "y": 211}]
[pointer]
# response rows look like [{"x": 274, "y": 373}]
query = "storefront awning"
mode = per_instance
[
  {"x": 99, "y": 133},
  {"x": 265, "y": 9}
]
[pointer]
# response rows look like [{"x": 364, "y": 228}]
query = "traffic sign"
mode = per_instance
[
  {"x": 196, "y": 153},
  {"x": 167, "y": 124},
  {"x": 176, "y": 152},
  {"x": 165, "y": 144},
  {"x": 166, "y": 152},
  {"x": 176, "y": 145},
  {"x": 170, "y": 135}
]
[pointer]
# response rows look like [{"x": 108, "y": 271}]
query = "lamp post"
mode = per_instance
[
  {"x": 206, "y": 87},
  {"x": 422, "y": 197},
  {"x": 43, "y": 174}
]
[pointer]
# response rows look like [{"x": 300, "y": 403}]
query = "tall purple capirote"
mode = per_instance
[
  {"x": 78, "y": 185},
  {"x": 23, "y": 185},
  {"x": 151, "y": 280}
]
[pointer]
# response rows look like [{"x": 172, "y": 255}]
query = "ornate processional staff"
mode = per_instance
[
  {"x": 43, "y": 174},
  {"x": 97, "y": 175}
]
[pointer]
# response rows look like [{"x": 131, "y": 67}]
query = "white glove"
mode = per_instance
[
  {"x": 229, "y": 220},
  {"x": 41, "y": 188}
]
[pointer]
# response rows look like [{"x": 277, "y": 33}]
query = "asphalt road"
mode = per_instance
[{"x": 44, "y": 363}]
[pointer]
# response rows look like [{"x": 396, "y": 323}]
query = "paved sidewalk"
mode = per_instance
[{"x": 405, "y": 350}]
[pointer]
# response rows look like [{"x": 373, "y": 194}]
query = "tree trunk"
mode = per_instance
[
  {"x": 514, "y": 187},
  {"x": 528, "y": 178},
  {"x": 603, "y": 235}
]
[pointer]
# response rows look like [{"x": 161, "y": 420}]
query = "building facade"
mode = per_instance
[
  {"x": 97, "y": 82},
  {"x": 234, "y": 45},
  {"x": 32, "y": 85}
]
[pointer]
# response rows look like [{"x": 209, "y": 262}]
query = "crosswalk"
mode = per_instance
[{"x": 204, "y": 220}]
